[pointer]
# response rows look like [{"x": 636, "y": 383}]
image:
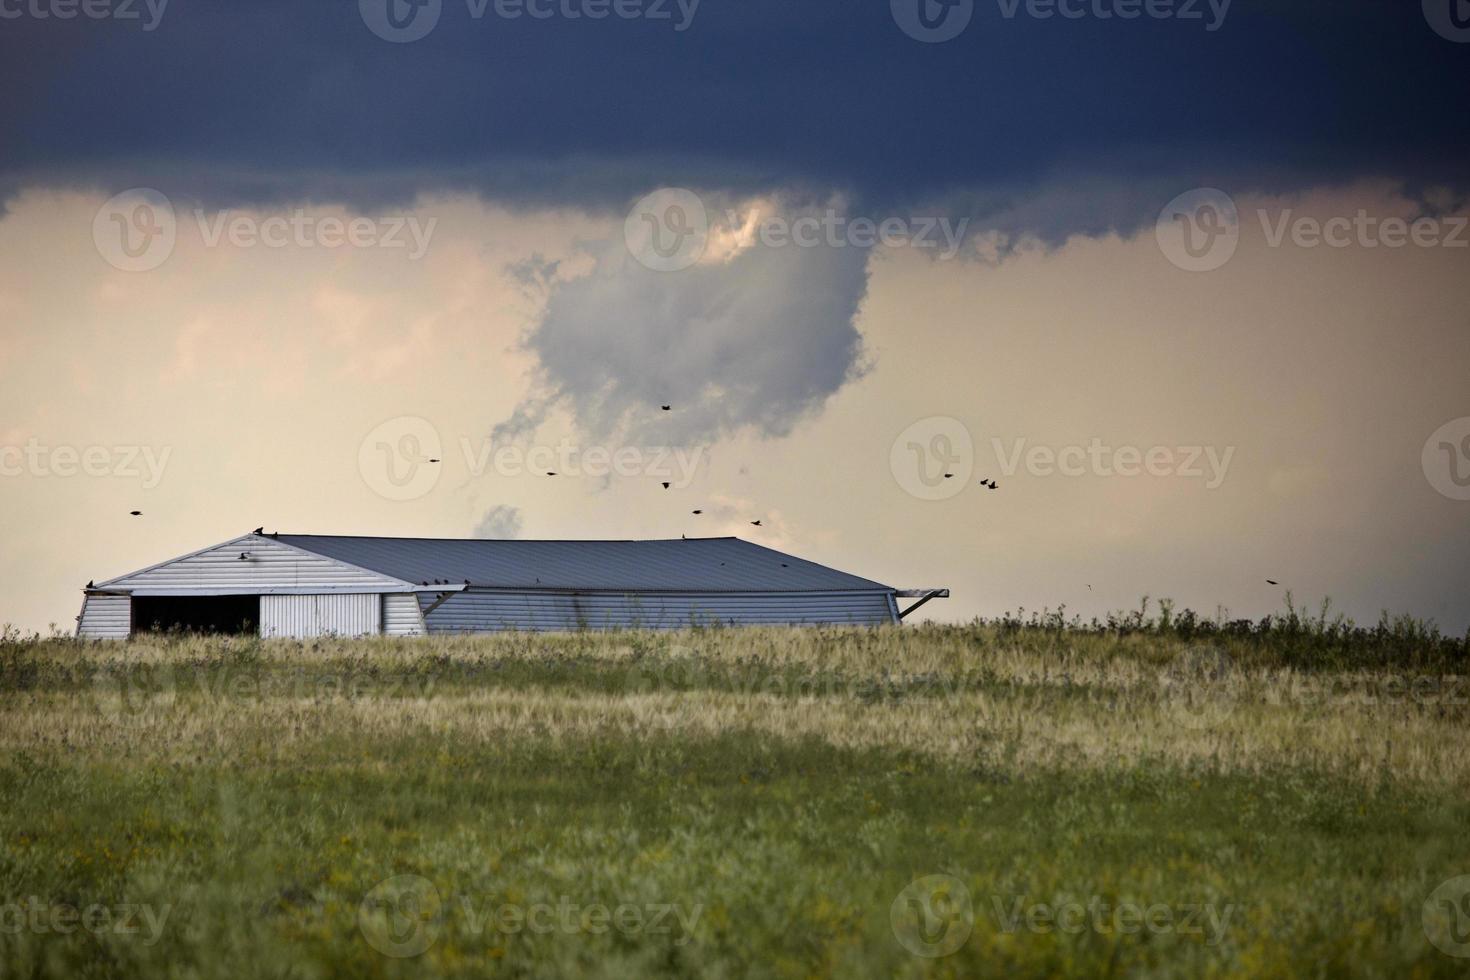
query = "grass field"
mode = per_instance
[{"x": 1150, "y": 796}]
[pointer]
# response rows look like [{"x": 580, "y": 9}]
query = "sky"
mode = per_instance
[{"x": 1187, "y": 280}]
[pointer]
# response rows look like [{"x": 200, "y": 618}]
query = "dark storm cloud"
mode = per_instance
[{"x": 278, "y": 100}]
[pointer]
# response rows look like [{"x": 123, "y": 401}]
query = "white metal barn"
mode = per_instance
[{"x": 305, "y": 585}]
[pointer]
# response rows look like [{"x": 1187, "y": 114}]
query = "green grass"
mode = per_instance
[{"x": 775, "y": 791}]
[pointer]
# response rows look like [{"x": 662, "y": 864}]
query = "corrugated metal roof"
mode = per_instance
[{"x": 695, "y": 565}]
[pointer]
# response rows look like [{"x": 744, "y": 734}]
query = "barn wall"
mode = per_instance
[
  {"x": 106, "y": 617},
  {"x": 306, "y": 616},
  {"x": 270, "y": 565},
  {"x": 473, "y": 612},
  {"x": 401, "y": 615}
]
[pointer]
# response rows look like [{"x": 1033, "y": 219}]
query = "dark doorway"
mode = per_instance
[{"x": 196, "y": 614}]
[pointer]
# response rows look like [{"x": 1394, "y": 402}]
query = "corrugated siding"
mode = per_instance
[
  {"x": 476, "y": 612},
  {"x": 402, "y": 616},
  {"x": 106, "y": 617},
  {"x": 305, "y": 616},
  {"x": 271, "y": 564}
]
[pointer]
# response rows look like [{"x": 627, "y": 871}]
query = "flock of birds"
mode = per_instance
[{"x": 987, "y": 483}]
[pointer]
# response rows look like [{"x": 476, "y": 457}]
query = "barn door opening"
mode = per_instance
[{"x": 196, "y": 613}]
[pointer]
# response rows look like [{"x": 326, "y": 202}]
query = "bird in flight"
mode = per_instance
[
  {"x": 666, "y": 408},
  {"x": 755, "y": 523},
  {"x": 989, "y": 486},
  {"x": 696, "y": 512},
  {"x": 1272, "y": 582},
  {"x": 665, "y": 486},
  {"x": 135, "y": 513},
  {"x": 949, "y": 476},
  {"x": 551, "y": 473},
  {"x": 435, "y": 461}
]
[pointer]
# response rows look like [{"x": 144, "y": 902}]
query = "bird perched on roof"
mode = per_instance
[
  {"x": 90, "y": 585},
  {"x": 259, "y": 530},
  {"x": 244, "y": 556}
]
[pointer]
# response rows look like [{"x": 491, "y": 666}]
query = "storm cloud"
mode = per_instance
[{"x": 753, "y": 340}]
